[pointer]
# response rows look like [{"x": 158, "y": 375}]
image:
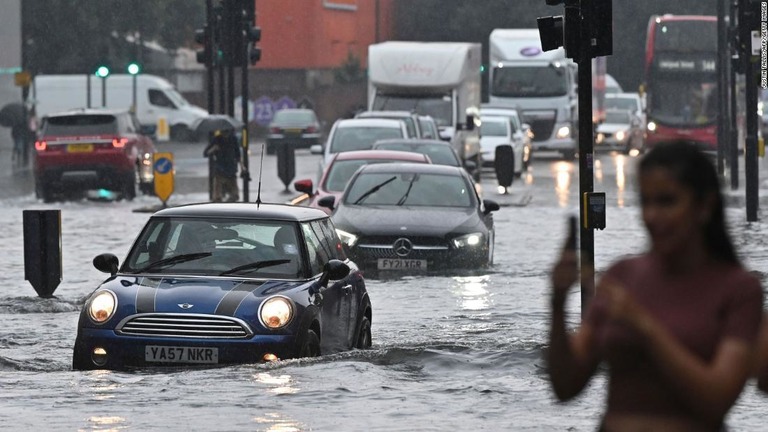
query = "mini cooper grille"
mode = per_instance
[{"x": 184, "y": 326}]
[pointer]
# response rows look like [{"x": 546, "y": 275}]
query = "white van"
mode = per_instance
[{"x": 155, "y": 98}]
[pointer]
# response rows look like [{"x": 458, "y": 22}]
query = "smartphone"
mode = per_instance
[{"x": 572, "y": 233}]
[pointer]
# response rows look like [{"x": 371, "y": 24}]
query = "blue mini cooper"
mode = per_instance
[{"x": 212, "y": 284}]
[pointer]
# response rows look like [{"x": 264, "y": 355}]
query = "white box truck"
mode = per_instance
[
  {"x": 156, "y": 98},
  {"x": 541, "y": 85},
  {"x": 439, "y": 79}
]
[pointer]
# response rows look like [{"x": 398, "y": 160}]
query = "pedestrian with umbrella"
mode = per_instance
[
  {"x": 14, "y": 116},
  {"x": 224, "y": 151}
]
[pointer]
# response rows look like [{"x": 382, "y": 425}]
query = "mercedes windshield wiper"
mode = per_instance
[
  {"x": 373, "y": 190},
  {"x": 173, "y": 260},
  {"x": 402, "y": 199},
  {"x": 255, "y": 266}
]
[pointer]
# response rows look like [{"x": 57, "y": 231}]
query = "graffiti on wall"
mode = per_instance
[{"x": 262, "y": 109}]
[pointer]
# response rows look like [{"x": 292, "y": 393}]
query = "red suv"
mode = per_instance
[{"x": 92, "y": 149}]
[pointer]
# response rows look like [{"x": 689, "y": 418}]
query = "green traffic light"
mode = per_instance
[
  {"x": 102, "y": 72},
  {"x": 134, "y": 68}
]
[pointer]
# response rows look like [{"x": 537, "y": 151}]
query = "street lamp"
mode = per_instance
[
  {"x": 103, "y": 72},
  {"x": 133, "y": 70}
]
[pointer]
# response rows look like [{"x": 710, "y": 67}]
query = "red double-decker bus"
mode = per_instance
[{"x": 681, "y": 80}]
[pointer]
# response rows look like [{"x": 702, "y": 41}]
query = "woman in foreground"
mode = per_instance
[{"x": 676, "y": 324}]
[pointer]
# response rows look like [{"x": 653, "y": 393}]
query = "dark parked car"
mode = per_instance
[
  {"x": 88, "y": 149},
  {"x": 297, "y": 127},
  {"x": 223, "y": 283},
  {"x": 414, "y": 217}
]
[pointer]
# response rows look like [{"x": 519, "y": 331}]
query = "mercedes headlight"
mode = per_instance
[
  {"x": 620, "y": 135},
  {"x": 102, "y": 306},
  {"x": 348, "y": 239},
  {"x": 467, "y": 240},
  {"x": 564, "y": 132},
  {"x": 276, "y": 312}
]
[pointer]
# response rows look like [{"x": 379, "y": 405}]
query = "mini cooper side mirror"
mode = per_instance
[
  {"x": 333, "y": 269},
  {"x": 106, "y": 263}
]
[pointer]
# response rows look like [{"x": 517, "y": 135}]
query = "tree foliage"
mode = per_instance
[{"x": 73, "y": 36}]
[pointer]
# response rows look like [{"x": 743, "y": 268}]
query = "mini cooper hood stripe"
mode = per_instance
[{"x": 210, "y": 296}]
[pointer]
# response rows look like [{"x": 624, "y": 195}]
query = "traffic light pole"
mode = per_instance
[
  {"x": 746, "y": 25},
  {"x": 722, "y": 87},
  {"x": 586, "y": 157},
  {"x": 733, "y": 138},
  {"x": 211, "y": 28},
  {"x": 244, "y": 110}
]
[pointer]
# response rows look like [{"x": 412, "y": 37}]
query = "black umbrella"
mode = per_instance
[
  {"x": 13, "y": 114},
  {"x": 204, "y": 126}
]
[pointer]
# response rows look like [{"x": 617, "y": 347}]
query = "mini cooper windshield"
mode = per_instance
[{"x": 217, "y": 247}]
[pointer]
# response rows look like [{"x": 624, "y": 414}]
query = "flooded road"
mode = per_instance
[{"x": 453, "y": 352}]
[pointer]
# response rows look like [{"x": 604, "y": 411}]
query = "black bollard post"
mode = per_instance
[
  {"x": 504, "y": 165},
  {"x": 42, "y": 250},
  {"x": 286, "y": 164}
]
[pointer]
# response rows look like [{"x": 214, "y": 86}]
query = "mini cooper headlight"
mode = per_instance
[
  {"x": 102, "y": 306},
  {"x": 472, "y": 239},
  {"x": 276, "y": 312},
  {"x": 348, "y": 239}
]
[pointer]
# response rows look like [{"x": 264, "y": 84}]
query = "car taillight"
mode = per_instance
[
  {"x": 41, "y": 145},
  {"x": 275, "y": 130},
  {"x": 311, "y": 129},
  {"x": 119, "y": 143}
]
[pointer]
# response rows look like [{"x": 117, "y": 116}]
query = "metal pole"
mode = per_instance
[
  {"x": 244, "y": 112},
  {"x": 722, "y": 89},
  {"x": 586, "y": 156},
  {"x": 733, "y": 127},
  {"x": 88, "y": 90},
  {"x": 212, "y": 50},
  {"x": 133, "y": 105},
  {"x": 751, "y": 83},
  {"x": 104, "y": 92}
]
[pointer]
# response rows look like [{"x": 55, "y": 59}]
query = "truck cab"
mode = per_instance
[{"x": 541, "y": 85}]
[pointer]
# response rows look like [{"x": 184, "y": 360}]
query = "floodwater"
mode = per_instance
[{"x": 460, "y": 352}]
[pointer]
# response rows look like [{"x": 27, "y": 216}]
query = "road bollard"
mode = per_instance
[
  {"x": 504, "y": 165},
  {"x": 42, "y": 250},
  {"x": 286, "y": 164}
]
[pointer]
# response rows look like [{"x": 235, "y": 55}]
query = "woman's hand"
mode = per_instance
[
  {"x": 564, "y": 275},
  {"x": 622, "y": 307}
]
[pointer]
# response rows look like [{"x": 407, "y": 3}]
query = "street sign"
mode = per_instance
[
  {"x": 163, "y": 131},
  {"x": 22, "y": 79},
  {"x": 164, "y": 171}
]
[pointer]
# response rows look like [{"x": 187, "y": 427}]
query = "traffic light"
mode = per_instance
[
  {"x": 203, "y": 37},
  {"x": 134, "y": 68},
  {"x": 550, "y": 32},
  {"x": 241, "y": 34},
  {"x": 102, "y": 71},
  {"x": 253, "y": 35},
  {"x": 565, "y": 30},
  {"x": 602, "y": 27}
]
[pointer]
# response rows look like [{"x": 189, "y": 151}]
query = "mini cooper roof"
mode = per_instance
[{"x": 281, "y": 212}]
